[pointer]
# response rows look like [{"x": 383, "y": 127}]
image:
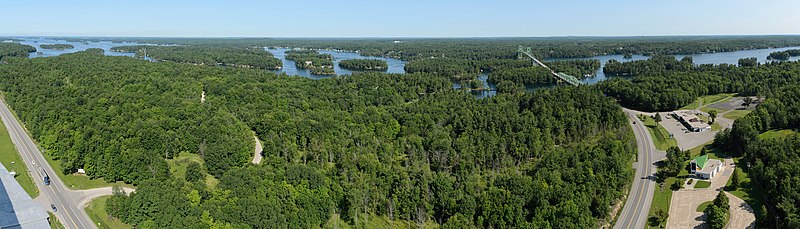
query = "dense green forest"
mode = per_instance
[
  {"x": 779, "y": 56},
  {"x": 404, "y": 147},
  {"x": 748, "y": 62},
  {"x": 783, "y": 55},
  {"x": 15, "y": 50},
  {"x": 577, "y": 68},
  {"x": 400, "y": 147},
  {"x": 502, "y": 48},
  {"x": 528, "y": 76},
  {"x": 244, "y": 57},
  {"x": 462, "y": 69},
  {"x": 775, "y": 162},
  {"x": 662, "y": 84},
  {"x": 57, "y": 46},
  {"x": 364, "y": 65},
  {"x": 118, "y": 122},
  {"x": 655, "y": 65},
  {"x": 540, "y": 75}
]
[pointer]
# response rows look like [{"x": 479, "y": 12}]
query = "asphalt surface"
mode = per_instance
[
  {"x": 637, "y": 206},
  {"x": 68, "y": 211}
]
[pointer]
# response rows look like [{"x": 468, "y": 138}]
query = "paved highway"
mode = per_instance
[
  {"x": 635, "y": 212},
  {"x": 69, "y": 212}
]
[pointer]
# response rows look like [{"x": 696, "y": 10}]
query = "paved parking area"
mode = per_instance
[
  {"x": 682, "y": 209},
  {"x": 686, "y": 141},
  {"x": 683, "y": 206},
  {"x": 742, "y": 215},
  {"x": 732, "y": 103}
]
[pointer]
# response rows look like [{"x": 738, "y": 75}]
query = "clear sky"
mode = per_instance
[{"x": 398, "y": 18}]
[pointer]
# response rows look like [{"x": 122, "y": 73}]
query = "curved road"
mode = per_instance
[
  {"x": 69, "y": 203},
  {"x": 637, "y": 207}
]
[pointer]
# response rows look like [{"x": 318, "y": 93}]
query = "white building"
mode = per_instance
[
  {"x": 691, "y": 121},
  {"x": 705, "y": 168}
]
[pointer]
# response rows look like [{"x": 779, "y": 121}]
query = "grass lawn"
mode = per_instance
[
  {"x": 709, "y": 109},
  {"x": 663, "y": 195},
  {"x": 54, "y": 223},
  {"x": 736, "y": 114},
  {"x": 747, "y": 191},
  {"x": 79, "y": 181},
  {"x": 712, "y": 152},
  {"x": 702, "y": 184},
  {"x": 706, "y": 100},
  {"x": 96, "y": 209},
  {"x": 177, "y": 167},
  {"x": 714, "y": 126},
  {"x": 704, "y": 205},
  {"x": 692, "y": 105},
  {"x": 775, "y": 134},
  {"x": 660, "y": 135},
  {"x": 8, "y": 154}
]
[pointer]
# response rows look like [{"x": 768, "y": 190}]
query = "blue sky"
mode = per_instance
[{"x": 398, "y": 18}]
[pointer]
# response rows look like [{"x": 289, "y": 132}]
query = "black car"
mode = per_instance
[{"x": 54, "y": 207}]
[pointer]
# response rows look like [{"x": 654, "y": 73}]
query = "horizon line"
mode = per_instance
[{"x": 405, "y": 37}]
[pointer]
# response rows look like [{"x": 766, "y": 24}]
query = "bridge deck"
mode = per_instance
[{"x": 574, "y": 81}]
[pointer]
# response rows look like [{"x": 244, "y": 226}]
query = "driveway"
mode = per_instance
[{"x": 683, "y": 206}]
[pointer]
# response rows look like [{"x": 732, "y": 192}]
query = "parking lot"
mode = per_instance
[
  {"x": 733, "y": 103},
  {"x": 683, "y": 207},
  {"x": 686, "y": 140}
]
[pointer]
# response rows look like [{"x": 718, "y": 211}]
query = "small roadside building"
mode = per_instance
[
  {"x": 691, "y": 121},
  {"x": 705, "y": 168}
]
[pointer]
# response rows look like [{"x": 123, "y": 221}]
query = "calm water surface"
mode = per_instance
[
  {"x": 79, "y": 46},
  {"x": 706, "y": 58},
  {"x": 397, "y": 66}
]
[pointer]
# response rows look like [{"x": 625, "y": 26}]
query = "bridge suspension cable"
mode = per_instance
[{"x": 523, "y": 52}]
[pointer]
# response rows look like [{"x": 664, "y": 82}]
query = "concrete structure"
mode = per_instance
[
  {"x": 17, "y": 209},
  {"x": 691, "y": 121},
  {"x": 705, "y": 168}
]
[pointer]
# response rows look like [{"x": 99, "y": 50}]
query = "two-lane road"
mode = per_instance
[
  {"x": 68, "y": 211},
  {"x": 634, "y": 213}
]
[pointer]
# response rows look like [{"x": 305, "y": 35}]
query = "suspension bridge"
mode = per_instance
[{"x": 525, "y": 52}]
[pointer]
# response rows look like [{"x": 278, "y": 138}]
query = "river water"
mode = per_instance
[
  {"x": 395, "y": 65},
  {"x": 398, "y": 66},
  {"x": 705, "y": 58},
  {"x": 79, "y": 46}
]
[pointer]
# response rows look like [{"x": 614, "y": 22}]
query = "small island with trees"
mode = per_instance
[
  {"x": 219, "y": 55},
  {"x": 57, "y": 46},
  {"x": 364, "y": 65},
  {"x": 783, "y": 55},
  {"x": 318, "y": 64},
  {"x": 15, "y": 50}
]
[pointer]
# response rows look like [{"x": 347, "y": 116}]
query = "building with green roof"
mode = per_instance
[{"x": 705, "y": 168}]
